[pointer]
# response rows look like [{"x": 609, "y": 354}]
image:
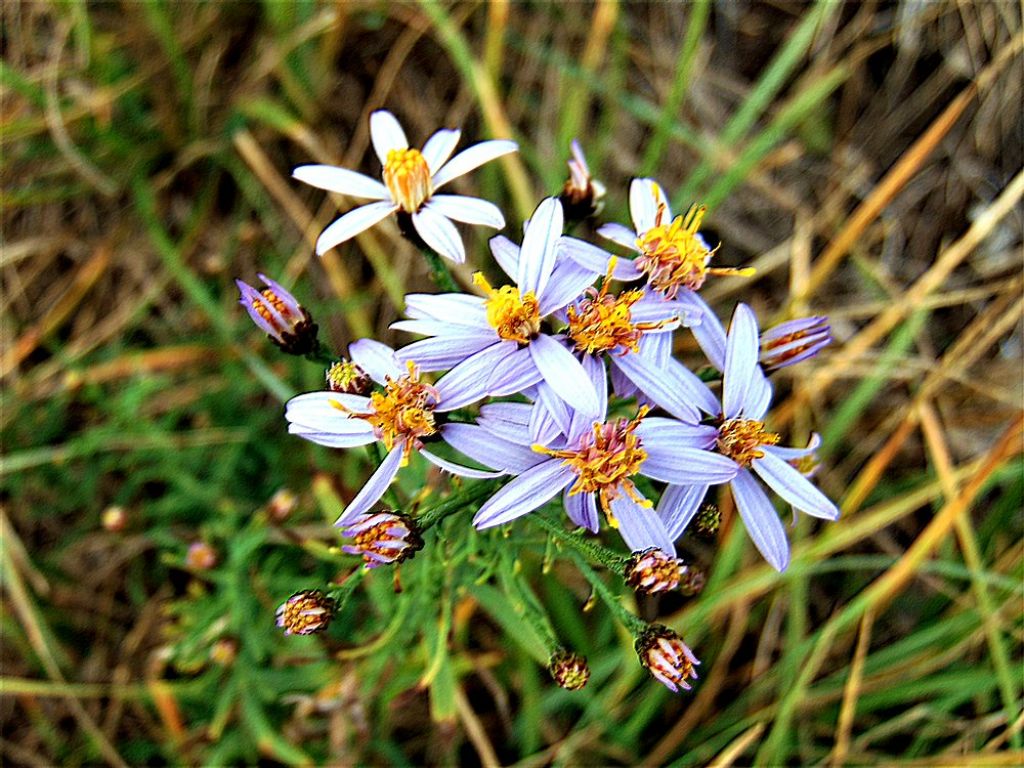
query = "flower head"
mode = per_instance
[
  {"x": 347, "y": 377},
  {"x": 794, "y": 341},
  {"x": 305, "y": 613},
  {"x": 402, "y": 414},
  {"x": 504, "y": 333},
  {"x": 742, "y": 436},
  {"x": 383, "y": 538},
  {"x": 672, "y": 253},
  {"x": 278, "y": 314},
  {"x": 201, "y": 556},
  {"x": 667, "y": 657},
  {"x": 653, "y": 571},
  {"x": 411, "y": 178},
  {"x": 582, "y": 196},
  {"x": 569, "y": 670}
]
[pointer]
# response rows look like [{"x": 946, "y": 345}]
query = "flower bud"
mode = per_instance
[
  {"x": 305, "y": 612},
  {"x": 666, "y": 657},
  {"x": 201, "y": 556},
  {"x": 793, "y": 341},
  {"x": 569, "y": 670},
  {"x": 382, "y": 538},
  {"x": 282, "y": 504},
  {"x": 224, "y": 651},
  {"x": 707, "y": 521},
  {"x": 278, "y": 314},
  {"x": 114, "y": 519},
  {"x": 582, "y": 196},
  {"x": 347, "y": 377},
  {"x": 652, "y": 571},
  {"x": 692, "y": 579}
]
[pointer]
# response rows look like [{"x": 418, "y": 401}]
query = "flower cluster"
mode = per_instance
[{"x": 562, "y": 372}]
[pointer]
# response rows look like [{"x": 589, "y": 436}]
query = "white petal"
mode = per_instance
[
  {"x": 537, "y": 256},
  {"x": 644, "y": 197},
  {"x": 440, "y": 234},
  {"x": 741, "y": 352},
  {"x": 581, "y": 509},
  {"x": 457, "y": 469},
  {"x": 471, "y": 158},
  {"x": 568, "y": 281},
  {"x": 468, "y": 381},
  {"x": 524, "y": 494},
  {"x": 761, "y": 520},
  {"x": 786, "y": 481},
  {"x": 640, "y": 527},
  {"x": 596, "y": 259},
  {"x": 469, "y": 210},
  {"x": 506, "y": 253},
  {"x": 386, "y": 134},
  {"x": 442, "y": 353},
  {"x": 455, "y": 308},
  {"x": 584, "y": 422},
  {"x": 565, "y": 374},
  {"x": 374, "y": 488},
  {"x": 331, "y": 439},
  {"x": 352, "y": 223},
  {"x": 709, "y": 333},
  {"x": 667, "y": 386},
  {"x": 489, "y": 449},
  {"x": 377, "y": 359},
  {"x": 686, "y": 465},
  {"x": 516, "y": 372},
  {"x": 342, "y": 180},
  {"x": 618, "y": 234},
  {"x": 439, "y": 148},
  {"x": 788, "y": 454},
  {"x": 678, "y": 505}
]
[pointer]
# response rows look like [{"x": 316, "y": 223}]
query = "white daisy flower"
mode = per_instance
[{"x": 410, "y": 179}]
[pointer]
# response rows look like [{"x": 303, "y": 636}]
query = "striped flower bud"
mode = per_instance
[
  {"x": 383, "y": 538},
  {"x": 305, "y": 612},
  {"x": 653, "y": 571},
  {"x": 569, "y": 670},
  {"x": 666, "y": 657},
  {"x": 278, "y": 314}
]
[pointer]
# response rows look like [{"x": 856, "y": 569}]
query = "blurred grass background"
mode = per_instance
[{"x": 866, "y": 157}]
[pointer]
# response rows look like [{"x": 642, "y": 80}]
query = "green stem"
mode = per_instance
[
  {"x": 453, "y": 504},
  {"x": 634, "y": 624},
  {"x": 341, "y": 593},
  {"x": 322, "y": 354},
  {"x": 439, "y": 272},
  {"x": 590, "y": 549}
]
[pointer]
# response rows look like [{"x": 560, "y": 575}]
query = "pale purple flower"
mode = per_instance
[
  {"x": 672, "y": 253},
  {"x": 669, "y": 660},
  {"x": 582, "y": 195},
  {"x": 279, "y": 315},
  {"x": 794, "y": 341},
  {"x": 592, "y": 465},
  {"x": 503, "y": 332},
  {"x": 401, "y": 417},
  {"x": 411, "y": 178},
  {"x": 741, "y": 435}
]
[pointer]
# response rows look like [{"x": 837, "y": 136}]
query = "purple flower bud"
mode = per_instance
[
  {"x": 305, "y": 612},
  {"x": 278, "y": 314},
  {"x": 383, "y": 538},
  {"x": 794, "y": 341},
  {"x": 569, "y": 670},
  {"x": 582, "y": 196},
  {"x": 653, "y": 571},
  {"x": 666, "y": 657}
]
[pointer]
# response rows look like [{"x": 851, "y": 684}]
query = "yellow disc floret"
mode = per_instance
[
  {"x": 603, "y": 323},
  {"x": 674, "y": 256},
  {"x": 403, "y": 412},
  {"x": 605, "y": 460},
  {"x": 407, "y": 177},
  {"x": 741, "y": 440},
  {"x": 513, "y": 316}
]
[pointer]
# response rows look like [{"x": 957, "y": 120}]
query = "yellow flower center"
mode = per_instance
[
  {"x": 674, "y": 257},
  {"x": 603, "y": 323},
  {"x": 404, "y": 411},
  {"x": 741, "y": 440},
  {"x": 407, "y": 177},
  {"x": 513, "y": 316},
  {"x": 605, "y": 460}
]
